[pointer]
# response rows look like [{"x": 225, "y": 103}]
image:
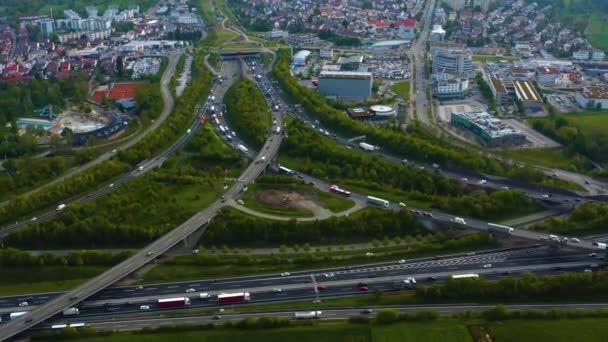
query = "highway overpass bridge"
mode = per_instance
[{"x": 231, "y": 54}]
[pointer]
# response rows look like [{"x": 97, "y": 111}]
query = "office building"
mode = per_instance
[
  {"x": 437, "y": 34},
  {"x": 276, "y": 34},
  {"x": 489, "y": 129},
  {"x": 527, "y": 94},
  {"x": 593, "y": 97},
  {"x": 451, "y": 88},
  {"x": 548, "y": 75},
  {"x": 346, "y": 84},
  {"x": 589, "y": 55},
  {"x": 455, "y": 60}
]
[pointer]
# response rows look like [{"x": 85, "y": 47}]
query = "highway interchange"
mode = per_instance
[{"x": 102, "y": 300}]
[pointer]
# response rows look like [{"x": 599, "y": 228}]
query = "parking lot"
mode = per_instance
[{"x": 563, "y": 103}]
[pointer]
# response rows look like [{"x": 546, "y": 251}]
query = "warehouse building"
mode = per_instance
[
  {"x": 491, "y": 130},
  {"x": 593, "y": 97},
  {"x": 349, "y": 85},
  {"x": 527, "y": 94}
]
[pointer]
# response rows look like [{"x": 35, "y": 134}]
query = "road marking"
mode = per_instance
[{"x": 172, "y": 287}]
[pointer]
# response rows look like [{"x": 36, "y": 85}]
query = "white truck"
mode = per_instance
[
  {"x": 378, "y": 201},
  {"x": 367, "y": 147},
  {"x": 15, "y": 315},
  {"x": 460, "y": 220},
  {"x": 242, "y": 148},
  {"x": 409, "y": 282},
  {"x": 71, "y": 311},
  {"x": 497, "y": 228},
  {"x": 307, "y": 314},
  {"x": 60, "y": 207}
]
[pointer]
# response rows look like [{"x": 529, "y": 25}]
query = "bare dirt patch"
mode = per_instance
[{"x": 290, "y": 199}]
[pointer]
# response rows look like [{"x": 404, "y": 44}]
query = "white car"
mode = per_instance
[
  {"x": 113, "y": 151},
  {"x": 190, "y": 290},
  {"x": 487, "y": 266},
  {"x": 34, "y": 219},
  {"x": 24, "y": 304},
  {"x": 111, "y": 185},
  {"x": 140, "y": 168},
  {"x": 546, "y": 196},
  {"x": 285, "y": 274},
  {"x": 402, "y": 261},
  {"x": 139, "y": 287},
  {"x": 575, "y": 240},
  {"x": 328, "y": 275},
  {"x": 402, "y": 205},
  {"x": 483, "y": 181},
  {"x": 277, "y": 290},
  {"x": 144, "y": 307},
  {"x": 369, "y": 254},
  {"x": 465, "y": 179}
]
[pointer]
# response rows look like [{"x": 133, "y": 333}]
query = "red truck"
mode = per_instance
[
  {"x": 225, "y": 298},
  {"x": 173, "y": 302}
]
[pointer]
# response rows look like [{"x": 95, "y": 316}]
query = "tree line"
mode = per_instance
[
  {"x": 10, "y": 257},
  {"x": 175, "y": 125},
  {"x": 323, "y": 158},
  {"x": 247, "y": 112},
  {"x": 413, "y": 146},
  {"x": 574, "y": 140},
  {"x": 511, "y": 289},
  {"x": 232, "y": 227},
  {"x": 586, "y": 217}
]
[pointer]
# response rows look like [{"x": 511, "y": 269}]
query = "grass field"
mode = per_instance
[
  {"x": 547, "y": 158},
  {"x": 322, "y": 332},
  {"x": 488, "y": 58},
  {"x": 591, "y": 122},
  {"x": 19, "y": 280},
  {"x": 403, "y": 89},
  {"x": 579, "y": 330},
  {"x": 597, "y": 31}
]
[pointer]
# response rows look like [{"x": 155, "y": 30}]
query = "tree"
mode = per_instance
[
  {"x": 119, "y": 66},
  {"x": 345, "y": 24},
  {"x": 387, "y": 316},
  {"x": 378, "y": 294}
]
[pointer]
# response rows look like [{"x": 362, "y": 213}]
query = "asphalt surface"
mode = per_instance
[
  {"x": 418, "y": 55},
  {"x": 158, "y": 247},
  {"x": 334, "y": 313},
  {"x": 332, "y": 282}
]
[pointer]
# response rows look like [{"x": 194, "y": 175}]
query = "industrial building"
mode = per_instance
[
  {"x": 491, "y": 130},
  {"x": 499, "y": 90},
  {"x": 305, "y": 39},
  {"x": 350, "y": 63},
  {"x": 346, "y": 84},
  {"x": 525, "y": 92},
  {"x": 548, "y": 75},
  {"x": 589, "y": 55},
  {"x": 594, "y": 97},
  {"x": 276, "y": 34},
  {"x": 456, "y": 60},
  {"x": 300, "y": 58}
]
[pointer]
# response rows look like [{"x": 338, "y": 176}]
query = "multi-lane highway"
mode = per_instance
[
  {"x": 418, "y": 56},
  {"x": 156, "y": 248},
  {"x": 331, "y": 282}
]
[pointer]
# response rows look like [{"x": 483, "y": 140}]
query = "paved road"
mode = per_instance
[
  {"x": 158, "y": 247},
  {"x": 418, "y": 55},
  {"x": 167, "y": 108},
  {"x": 333, "y": 313},
  {"x": 337, "y": 281}
]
